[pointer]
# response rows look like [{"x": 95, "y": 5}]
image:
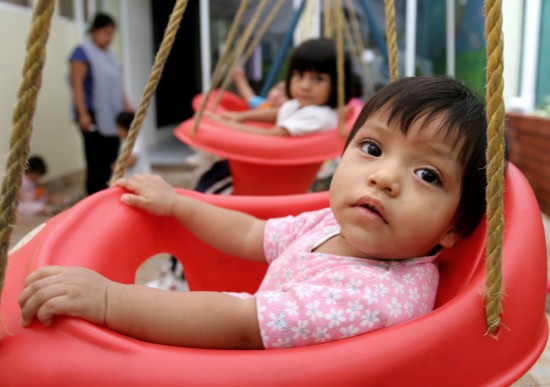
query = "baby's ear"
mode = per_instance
[{"x": 449, "y": 239}]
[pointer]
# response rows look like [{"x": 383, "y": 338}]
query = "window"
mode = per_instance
[
  {"x": 543, "y": 81},
  {"x": 66, "y": 9}
]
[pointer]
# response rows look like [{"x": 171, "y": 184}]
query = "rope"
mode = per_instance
[
  {"x": 238, "y": 53},
  {"x": 154, "y": 78},
  {"x": 327, "y": 20},
  {"x": 22, "y": 125},
  {"x": 218, "y": 70},
  {"x": 263, "y": 29},
  {"x": 392, "y": 39},
  {"x": 495, "y": 163},
  {"x": 248, "y": 53},
  {"x": 339, "y": 16},
  {"x": 360, "y": 44}
]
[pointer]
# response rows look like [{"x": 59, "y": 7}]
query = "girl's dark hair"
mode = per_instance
[
  {"x": 319, "y": 55},
  {"x": 426, "y": 98},
  {"x": 102, "y": 20},
  {"x": 37, "y": 165},
  {"x": 124, "y": 119}
]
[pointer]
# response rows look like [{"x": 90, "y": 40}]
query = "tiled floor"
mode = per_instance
[{"x": 184, "y": 175}]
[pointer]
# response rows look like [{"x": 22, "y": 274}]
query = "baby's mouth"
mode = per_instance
[{"x": 373, "y": 209}]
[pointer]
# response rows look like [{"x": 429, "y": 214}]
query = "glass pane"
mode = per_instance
[
  {"x": 66, "y": 8},
  {"x": 543, "y": 81}
]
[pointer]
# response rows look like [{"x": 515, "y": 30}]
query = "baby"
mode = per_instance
[{"x": 410, "y": 183}]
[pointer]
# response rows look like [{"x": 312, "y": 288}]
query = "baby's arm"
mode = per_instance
[
  {"x": 232, "y": 232},
  {"x": 193, "y": 319},
  {"x": 242, "y": 84}
]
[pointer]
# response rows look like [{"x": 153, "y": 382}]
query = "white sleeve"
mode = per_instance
[{"x": 309, "y": 119}]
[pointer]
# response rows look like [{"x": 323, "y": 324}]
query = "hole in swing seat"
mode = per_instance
[{"x": 162, "y": 271}]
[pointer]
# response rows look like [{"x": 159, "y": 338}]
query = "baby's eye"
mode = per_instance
[
  {"x": 429, "y": 176},
  {"x": 371, "y": 149}
]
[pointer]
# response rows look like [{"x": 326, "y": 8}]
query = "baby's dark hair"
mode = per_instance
[
  {"x": 37, "y": 165},
  {"x": 427, "y": 98},
  {"x": 102, "y": 20},
  {"x": 124, "y": 120},
  {"x": 319, "y": 55}
]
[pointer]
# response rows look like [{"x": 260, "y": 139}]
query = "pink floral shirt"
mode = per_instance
[{"x": 308, "y": 298}]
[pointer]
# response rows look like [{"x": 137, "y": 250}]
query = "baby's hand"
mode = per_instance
[
  {"x": 149, "y": 192},
  {"x": 70, "y": 291}
]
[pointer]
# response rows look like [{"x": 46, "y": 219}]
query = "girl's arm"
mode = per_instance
[
  {"x": 261, "y": 115},
  {"x": 273, "y": 131},
  {"x": 232, "y": 232},
  {"x": 192, "y": 319}
]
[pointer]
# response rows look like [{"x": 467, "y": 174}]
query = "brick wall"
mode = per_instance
[{"x": 529, "y": 144}]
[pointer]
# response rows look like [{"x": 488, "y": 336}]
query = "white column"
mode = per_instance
[
  {"x": 529, "y": 63},
  {"x": 206, "y": 65},
  {"x": 125, "y": 40},
  {"x": 410, "y": 38},
  {"x": 79, "y": 18},
  {"x": 450, "y": 35}
]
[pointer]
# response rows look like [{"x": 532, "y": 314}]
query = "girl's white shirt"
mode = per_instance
[{"x": 306, "y": 120}]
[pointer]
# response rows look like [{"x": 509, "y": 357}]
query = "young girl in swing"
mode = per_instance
[
  {"x": 411, "y": 182},
  {"x": 311, "y": 86}
]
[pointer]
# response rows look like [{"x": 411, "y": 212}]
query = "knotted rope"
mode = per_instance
[
  {"x": 154, "y": 78},
  {"x": 495, "y": 163},
  {"x": 22, "y": 125}
]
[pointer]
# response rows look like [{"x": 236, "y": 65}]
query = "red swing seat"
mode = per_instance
[
  {"x": 449, "y": 346},
  {"x": 267, "y": 165},
  {"x": 229, "y": 101}
]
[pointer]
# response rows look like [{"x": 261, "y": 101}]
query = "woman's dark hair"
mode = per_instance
[
  {"x": 102, "y": 20},
  {"x": 319, "y": 55},
  {"x": 463, "y": 121}
]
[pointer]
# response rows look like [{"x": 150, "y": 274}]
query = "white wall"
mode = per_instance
[
  {"x": 54, "y": 137},
  {"x": 138, "y": 56}
]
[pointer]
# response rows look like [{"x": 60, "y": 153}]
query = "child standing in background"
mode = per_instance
[
  {"x": 411, "y": 183},
  {"x": 138, "y": 161}
]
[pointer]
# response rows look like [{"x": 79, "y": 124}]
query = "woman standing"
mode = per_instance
[{"x": 98, "y": 96}]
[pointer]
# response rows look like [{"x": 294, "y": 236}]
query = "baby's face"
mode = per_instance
[
  {"x": 122, "y": 133},
  {"x": 277, "y": 95},
  {"x": 395, "y": 196}
]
